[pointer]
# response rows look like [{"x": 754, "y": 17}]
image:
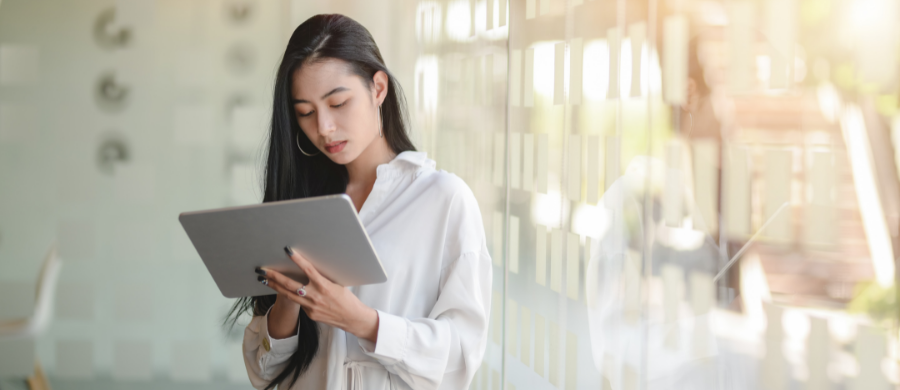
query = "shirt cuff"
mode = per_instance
[
  {"x": 392, "y": 339},
  {"x": 285, "y": 346}
]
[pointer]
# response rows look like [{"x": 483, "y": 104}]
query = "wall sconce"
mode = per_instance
[
  {"x": 110, "y": 95},
  {"x": 107, "y": 35},
  {"x": 113, "y": 150}
]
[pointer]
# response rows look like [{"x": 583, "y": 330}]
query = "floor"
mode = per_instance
[{"x": 110, "y": 384}]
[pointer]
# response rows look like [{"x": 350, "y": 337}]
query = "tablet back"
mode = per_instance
[{"x": 326, "y": 230}]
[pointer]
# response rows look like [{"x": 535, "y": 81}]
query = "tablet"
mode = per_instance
[{"x": 326, "y": 230}]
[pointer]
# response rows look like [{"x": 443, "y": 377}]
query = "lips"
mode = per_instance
[{"x": 335, "y": 147}]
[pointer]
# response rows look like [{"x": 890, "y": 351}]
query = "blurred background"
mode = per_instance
[{"x": 677, "y": 194}]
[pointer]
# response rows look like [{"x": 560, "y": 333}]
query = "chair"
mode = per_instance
[{"x": 33, "y": 326}]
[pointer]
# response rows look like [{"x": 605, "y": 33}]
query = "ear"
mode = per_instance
[{"x": 380, "y": 87}]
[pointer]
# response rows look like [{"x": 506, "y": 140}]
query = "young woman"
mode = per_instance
[{"x": 338, "y": 126}]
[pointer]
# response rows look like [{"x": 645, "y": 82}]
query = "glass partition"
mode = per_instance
[
  {"x": 460, "y": 114},
  {"x": 698, "y": 194}
]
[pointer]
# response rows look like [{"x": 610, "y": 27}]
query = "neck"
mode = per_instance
[{"x": 362, "y": 170}]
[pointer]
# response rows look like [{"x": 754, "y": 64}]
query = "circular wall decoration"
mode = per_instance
[
  {"x": 240, "y": 58},
  {"x": 240, "y": 11},
  {"x": 106, "y": 34},
  {"x": 110, "y": 94},
  {"x": 112, "y": 150}
]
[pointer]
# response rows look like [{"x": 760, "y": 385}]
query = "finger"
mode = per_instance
[
  {"x": 308, "y": 268},
  {"x": 287, "y": 284},
  {"x": 287, "y": 291},
  {"x": 277, "y": 277},
  {"x": 269, "y": 282}
]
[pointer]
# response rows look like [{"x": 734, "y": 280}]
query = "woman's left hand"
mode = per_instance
[{"x": 326, "y": 301}]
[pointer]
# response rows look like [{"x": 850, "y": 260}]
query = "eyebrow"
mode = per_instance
[{"x": 332, "y": 92}]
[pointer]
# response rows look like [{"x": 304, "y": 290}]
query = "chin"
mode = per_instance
[{"x": 343, "y": 158}]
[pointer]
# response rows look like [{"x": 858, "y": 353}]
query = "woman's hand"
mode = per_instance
[{"x": 325, "y": 301}]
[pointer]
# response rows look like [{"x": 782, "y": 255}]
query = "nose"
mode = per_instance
[{"x": 326, "y": 122}]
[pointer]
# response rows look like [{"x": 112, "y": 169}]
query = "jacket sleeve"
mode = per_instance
[
  {"x": 421, "y": 351},
  {"x": 264, "y": 356}
]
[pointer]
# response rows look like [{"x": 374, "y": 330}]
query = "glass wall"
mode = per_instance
[
  {"x": 690, "y": 194},
  {"x": 677, "y": 194},
  {"x": 460, "y": 110}
]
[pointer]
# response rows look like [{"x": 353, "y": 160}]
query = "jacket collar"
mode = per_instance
[
  {"x": 405, "y": 163},
  {"x": 416, "y": 159}
]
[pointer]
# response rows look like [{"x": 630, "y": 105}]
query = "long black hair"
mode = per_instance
[{"x": 289, "y": 174}]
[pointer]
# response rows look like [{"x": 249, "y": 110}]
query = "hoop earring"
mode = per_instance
[
  {"x": 380, "y": 122},
  {"x": 297, "y": 137}
]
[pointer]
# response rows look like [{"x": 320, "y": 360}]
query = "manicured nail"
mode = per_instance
[
  {"x": 260, "y": 271},
  {"x": 288, "y": 250},
  {"x": 262, "y": 280}
]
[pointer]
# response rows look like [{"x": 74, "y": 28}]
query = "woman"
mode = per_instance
[{"x": 338, "y": 126}]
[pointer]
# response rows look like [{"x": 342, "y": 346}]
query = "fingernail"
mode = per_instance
[
  {"x": 288, "y": 250},
  {"x": 260, "y": 271},
  {"x": 262, "y": 280}
]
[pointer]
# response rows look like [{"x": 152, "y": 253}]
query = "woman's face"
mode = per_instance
[{"x": 336, "y": 108}]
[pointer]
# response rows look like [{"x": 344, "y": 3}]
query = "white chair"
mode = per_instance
[{"x": 33, "y": 326}]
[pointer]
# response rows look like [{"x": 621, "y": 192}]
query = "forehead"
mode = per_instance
[{"x": 315, "y": 78}]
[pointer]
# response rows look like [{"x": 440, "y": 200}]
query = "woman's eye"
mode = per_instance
[
  {"x": 338, "y": 105},
  {"x": 302, "y": 114}
]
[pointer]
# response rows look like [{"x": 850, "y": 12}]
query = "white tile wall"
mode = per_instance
[{"x": 74, "y": 359}]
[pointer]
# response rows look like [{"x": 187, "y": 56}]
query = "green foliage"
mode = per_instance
[{"x": 877, "y": 302}]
